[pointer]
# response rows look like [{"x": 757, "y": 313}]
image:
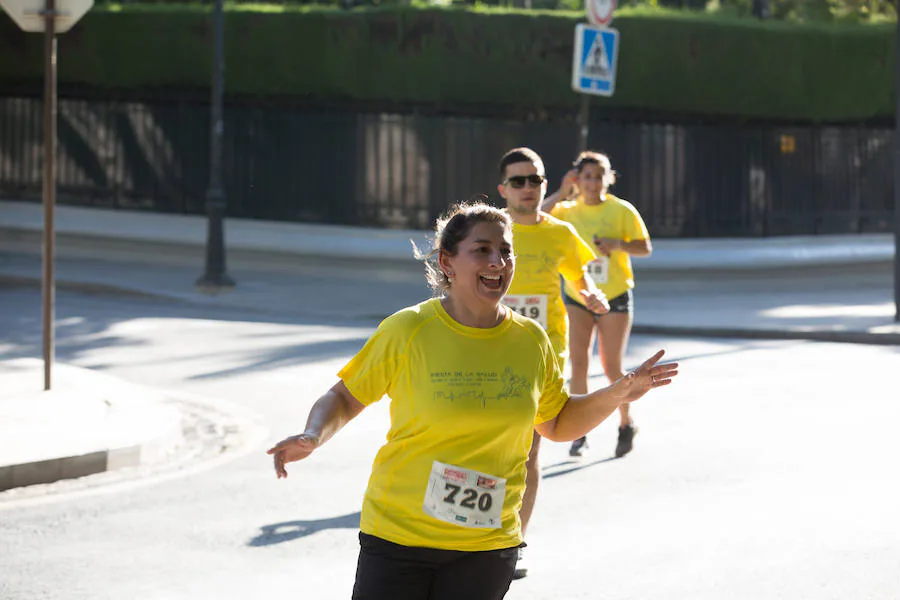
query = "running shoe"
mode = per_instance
[
  {"x": 578, "y": 447},
  {"x": 626, "y": 440},
  {"x": 521, "y": 565}
]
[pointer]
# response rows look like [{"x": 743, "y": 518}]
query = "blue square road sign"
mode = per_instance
[{"x": 594, "y": 60}]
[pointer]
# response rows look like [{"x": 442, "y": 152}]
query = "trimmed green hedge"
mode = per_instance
[{"x": 458, "y": 60}]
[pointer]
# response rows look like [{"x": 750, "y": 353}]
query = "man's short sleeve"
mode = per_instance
[{"x": 577, "y": 255}]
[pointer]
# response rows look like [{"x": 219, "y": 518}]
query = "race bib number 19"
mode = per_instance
[
  {"x": 464, "y": 497},
  {"x": 533, "y": 306}
]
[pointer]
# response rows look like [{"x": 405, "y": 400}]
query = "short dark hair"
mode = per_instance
[{"x": 517, "y": 155}]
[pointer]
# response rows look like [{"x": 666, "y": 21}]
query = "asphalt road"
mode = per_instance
[{"x": 767, "y": 472}]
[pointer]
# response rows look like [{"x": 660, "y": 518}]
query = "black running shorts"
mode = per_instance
[
  {"x": 623, "y": 303},
  {"x": 388, "y": 571}
]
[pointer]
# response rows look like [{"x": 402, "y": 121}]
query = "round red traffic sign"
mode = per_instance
[{"x": 600, "y": 12}]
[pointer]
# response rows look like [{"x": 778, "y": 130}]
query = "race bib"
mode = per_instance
[
  {"x": 464, "y": 497},
  {"x": 598, "y": 270},
  {"x": 533, "y": 307}
]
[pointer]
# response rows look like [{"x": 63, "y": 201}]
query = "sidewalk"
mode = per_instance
[
  {"x": 22, "y": 223},
  {"x": 830, "y": 288},
  {"x": 88, "y": 423}
]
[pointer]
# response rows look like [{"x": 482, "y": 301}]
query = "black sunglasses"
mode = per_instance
[{"x": 518, "y": 181}]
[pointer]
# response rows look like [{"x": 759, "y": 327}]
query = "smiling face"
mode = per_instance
[
  {"x": 594, "y": 179},
  {"x": 483, "y": 266},
  {"x": 523, "y": 187}
]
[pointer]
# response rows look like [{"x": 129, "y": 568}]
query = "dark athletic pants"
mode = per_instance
[{"x": 388, "y": 571}]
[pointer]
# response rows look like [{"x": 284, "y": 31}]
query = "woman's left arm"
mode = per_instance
[
  {"x": 594, "y": 299},
  {"x": 583, "y": 412},
  {"x": 638, "y": 247},
  {"x": 641, "y": 248}
]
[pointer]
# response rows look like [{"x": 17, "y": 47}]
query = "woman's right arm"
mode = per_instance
[
  {"x": 329, "y": 414},
  {"x": 583, "y": 412},
  {"x": 565, "y": 190}
]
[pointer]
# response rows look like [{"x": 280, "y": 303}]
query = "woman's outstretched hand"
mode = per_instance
[
  {"x": 646, "y": 377},
  {"x": 296, "y": 447}
]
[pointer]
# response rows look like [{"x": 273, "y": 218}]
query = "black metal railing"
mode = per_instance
[{"x": 391, "y": 170}]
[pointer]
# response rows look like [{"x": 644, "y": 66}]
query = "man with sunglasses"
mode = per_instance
[{"x": 545, "y": 249}]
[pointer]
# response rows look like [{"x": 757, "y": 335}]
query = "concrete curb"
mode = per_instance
[
  {"x": 161, "y": 252},
  {"x": 81, "y": 465},
  {"x": 85, "y": 287},
  {"x": 24, "y": 220},
  {"x": 234, "y": 429},
  {"x": 89, "y": 423}
]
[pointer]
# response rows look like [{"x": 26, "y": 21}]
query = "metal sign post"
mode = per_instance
[
  {"x": 599, "y": 14},
  {"x": 584, "y": 126},
  {"x": 50, "y": 17}
]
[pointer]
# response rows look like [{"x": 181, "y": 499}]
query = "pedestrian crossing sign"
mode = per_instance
[{"x": 594, "y": 60}]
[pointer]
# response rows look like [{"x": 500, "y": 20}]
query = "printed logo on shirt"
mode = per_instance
[
  {"x": 477, "y": 386},
  {"x": 513, "y": 385}
]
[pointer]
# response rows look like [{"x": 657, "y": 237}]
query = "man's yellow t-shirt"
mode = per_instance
[
  {"x": 612, "y": 218},
  {"x": 545, "y": 251},
  {"x": 462, "y": 396}
]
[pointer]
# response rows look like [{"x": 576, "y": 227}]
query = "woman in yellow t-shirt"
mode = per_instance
[
  {"x": 468, "y": 380},
  {"x": 615, "y": 228}
]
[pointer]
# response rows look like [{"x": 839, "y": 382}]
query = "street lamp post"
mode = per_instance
[
  {"x": 48, "y": 285},
  {"x": 215, "y": 278}
]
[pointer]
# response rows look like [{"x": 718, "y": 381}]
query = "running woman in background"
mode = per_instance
[{"x": 617, "y": 231}]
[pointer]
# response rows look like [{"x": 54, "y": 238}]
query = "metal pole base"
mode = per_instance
[
  {"x": 215, "y": 279},
  {"x": 212, "y": 287}
]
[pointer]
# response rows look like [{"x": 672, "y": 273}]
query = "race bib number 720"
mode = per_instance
[{"x": 464, "y": 497}]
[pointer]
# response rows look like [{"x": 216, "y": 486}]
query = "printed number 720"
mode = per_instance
[{"x": 469, "y": 499}]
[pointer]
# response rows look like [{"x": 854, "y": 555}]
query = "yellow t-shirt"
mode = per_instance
[
  {"x": 544, "y": 252},
  {"x": 463, "y": 396},
  {"x": 612, "y": 218}
]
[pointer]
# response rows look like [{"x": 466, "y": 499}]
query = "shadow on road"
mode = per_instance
[
  {"x": 292, "y": 530},
  {"x": 288, "y": 356},
  {"x": 554, "y": 470}
]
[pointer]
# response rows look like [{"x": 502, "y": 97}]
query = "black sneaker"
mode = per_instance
[
  {"x": 626, "y": 440},
  {"x": 578, "y": 447},
  {"x": 521, "y": 565}
]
